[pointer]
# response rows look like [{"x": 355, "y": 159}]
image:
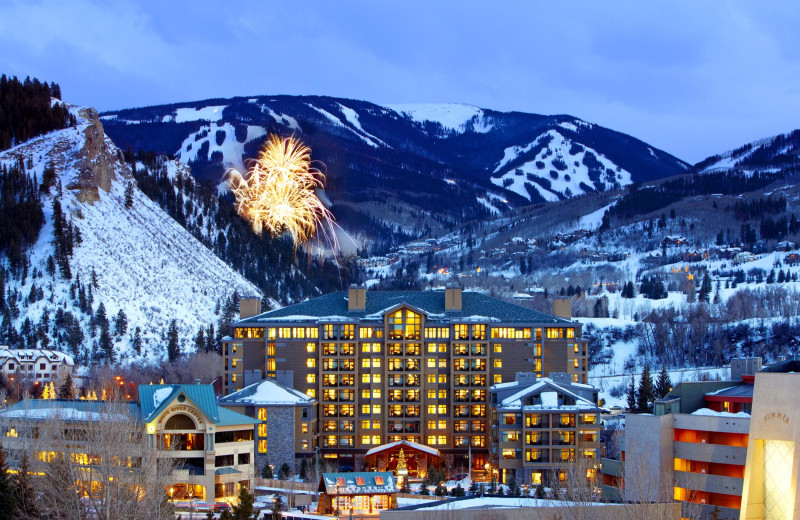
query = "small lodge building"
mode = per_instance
[
  {"x": 415, "y": 459},
  {"x": 359, "y": 493}
]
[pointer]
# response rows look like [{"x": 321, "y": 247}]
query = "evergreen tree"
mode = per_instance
[
  {"x": 65, "y": 391},
  {"x": 266, "y": 470},
  {"x": 129, "y": 195},
  {"x": 663, "y": 383},
  {"x": 137, "y": 340},
  {"x": 200, "y": 341},
  {"x": 705, "y": 289},
  {"x": 631, "y": 395},
  {"x": 244, "y": 509},
  {"x": 121, "y": 323},
  {"x": 25, "y": 495},
  {"x": 493, "y": 485},
  {"x": 284, "y": 472},
  {"x": 277, "y": 507},
  {"x": 646, "y": 393},
  {"x": 173, "y": 344},
  {"x": 8, "y": 503}
]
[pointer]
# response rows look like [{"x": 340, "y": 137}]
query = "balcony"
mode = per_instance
[
  {"x": 613, "y": 467},
  {"x": 708, "y": 482},
  {"x": 711, "y": 453},
  {"x": 704, "y": 511}
]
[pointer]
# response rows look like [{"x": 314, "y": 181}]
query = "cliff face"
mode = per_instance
[{"x": 98, "y": 162}]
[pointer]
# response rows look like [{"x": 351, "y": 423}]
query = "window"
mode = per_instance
[
  {"x": 576, "y": 363},
  {"x": 437, "y": 332},
  {"x": 497, "y": 378},
  {"x": 498, "y": 363},
  {"x": 442, "y": 363},
  {"x": 555, "y": 333},
  {"x": 303, "y": 427},
  {"x": 498, "y": 348},
  {"x": 311, "y": 392},
  {"x": 249, "y": 333},
  {"x": 570, "y": 332},
  {"x": 365, "y": 378},
  {"x": 311, "y": 378},
  {"x": 262, "y": 446},
  {"x": 262, "y": 414},
  {"x": 461, "y": 331},
  {"x": 431, "y": 362},
  {"x": 442, "y": 378},
  {"x": 442, "y": 394},
  {"x": 311, "y": 347},
  {"x": 442, "y": 409},
  {"x": 304, "y": 445},
  {"x": 311, "y": 362},
  {"x": 244, "y": 458},
  {"x": 262, "y": 430},
  {"x": 509, "y": 454}
]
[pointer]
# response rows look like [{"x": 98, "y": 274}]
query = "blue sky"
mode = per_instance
[{"x": 693, "y": 78}]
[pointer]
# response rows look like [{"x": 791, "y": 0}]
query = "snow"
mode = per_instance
[
  {"x": 159, "y": 396},
  {"x": 452, "y": 116},
  {"x": 270, "y": 392},
  {"x": 231, "y": 149},
  {"x": 549, "y": 399},
  {"x": 709, "y": 412},
  {"x": 352, "y": 118},
  {"x": 143, "y": 261},
  {"x": 414, "y": 445},
  {"x": 594, "y": 219},
  {"x": 497, "y": 502},
  {"x": 211, "y": 114},
  {"x": 282, "y": 118},
  {"x": 364, "y": 136},
  {"x": 66, "y": 413},
  {"x": 558, "y": 148}
]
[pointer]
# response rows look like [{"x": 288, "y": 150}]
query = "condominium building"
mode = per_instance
[
  {"x": 34, "y": 365},
  {"x": 693, "y": 448},
  {"x": 210, "y": 447},
  {"x": 287, "y": 421},
  {"x": 402, "y": 365},
  {"x": 542, "y": 426}
]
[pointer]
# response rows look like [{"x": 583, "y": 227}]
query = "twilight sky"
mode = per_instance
[{"x": 693, "y": 78}]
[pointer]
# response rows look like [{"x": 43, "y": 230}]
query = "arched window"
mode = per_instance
[{"x": 180, "y": 422}]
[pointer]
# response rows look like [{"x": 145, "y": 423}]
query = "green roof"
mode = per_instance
[
  {"x": 475, "y": 306},
  {"x": 359, "y": 483},
  {"x": 154, "y": 399}
]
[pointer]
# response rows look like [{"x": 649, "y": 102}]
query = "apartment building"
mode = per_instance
[
  {"x": 403, "y": 365},
  {"x": 210, "y": 447},
  {"x": 287, "y": 421},
  {"x": 541, "y": 426},
  {"x": 34, "y": 365},
  {"x": 693, "y": 448}
]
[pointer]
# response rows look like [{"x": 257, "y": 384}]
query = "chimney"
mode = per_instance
[
  {"x": 249, "y": 306},
  {"x": 356, "y": 298},
  {"x": 562, "y": 309},
  {"x": 452, "y": 297}
]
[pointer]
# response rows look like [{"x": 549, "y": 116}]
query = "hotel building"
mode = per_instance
[
  {"x": 402, "y": 365},
  {"x": 542, "y": 426}
]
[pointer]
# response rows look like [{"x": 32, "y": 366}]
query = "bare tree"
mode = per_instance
[{"x": 95, "y": 462}]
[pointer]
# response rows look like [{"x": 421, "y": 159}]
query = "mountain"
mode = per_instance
[
  {"x": 402, "y": 171},
  {"x": 769, "y": 154},
  {"x": 105, "y": 244}
]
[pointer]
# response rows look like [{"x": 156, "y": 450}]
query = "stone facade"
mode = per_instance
[{"x": 280, "y": 438}]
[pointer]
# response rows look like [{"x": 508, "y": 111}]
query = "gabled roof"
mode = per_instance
[
  {"x": 23, "y": 355},
  {"x": 543, "y": 386},
  {"x": 359, "y": 483},
  {"x": 333, "y": 306},
  {"x": 267, "y": 392},
  {"x": 401, "y": 443},
  {"x": 154, "y": 399}
]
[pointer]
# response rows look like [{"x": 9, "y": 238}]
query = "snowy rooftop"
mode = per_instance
[
  {"x": 708, "y": 411},
  {"x": 33, "y": 354},
  {"x": 414, "y": 445},
  {"x": 267, "y": 392}
]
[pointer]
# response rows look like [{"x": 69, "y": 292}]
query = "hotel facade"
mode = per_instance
[{"x": 405, "y": 365}]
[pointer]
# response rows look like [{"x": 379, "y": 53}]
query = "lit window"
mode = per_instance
[
  {"x": 311, "y": 392},
  {"x": 365, "y": 378},
  {"x": 498, "y": 347},
  {"x": 498, "y": 363},
  {"x": 577, "y": 365},
  {"x": 431, "y": 409},
  {"x": 376, "y": 408},
  {"x": 311, "y": 378},
  {"x": 262, "y": 430},
  {"x": 304, "y": 428},
  {"x": 442, "y": 378},
  {"x": 262, "y": 414},
  {"x": 442, "y": 394},
  {"x": 431, "y": 393},
  {"x": 311, "y": 362},
  {"x": 262, "y": 446},
  {"x": 431, "y": 362},
  {"x": 305, "y": 445},
  {"x": 365, "y": 409},
  {"x": 376, "y": 378},
  {"x": 311, "y": 347},
  {"x": 570, "y": 333},
  {"x": 442, "y": 409},
  {"x": 497, "y": 378}
]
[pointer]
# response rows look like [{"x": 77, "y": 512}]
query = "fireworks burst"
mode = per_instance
[{"x": 278, "y": 193}]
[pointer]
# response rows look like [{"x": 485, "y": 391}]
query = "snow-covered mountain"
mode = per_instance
[
  {"x": 130, "y": 255},
  {"x": 402, "y": 171},
  {"x": 768, "y": 154}
]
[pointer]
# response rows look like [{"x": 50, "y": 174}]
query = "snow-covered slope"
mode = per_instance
[
  {"x": 137, "y": 259},
  {"x": 768, "y": 154},
  {"x": 555, "y": 167},
  {"x": 454, "y": 117}
]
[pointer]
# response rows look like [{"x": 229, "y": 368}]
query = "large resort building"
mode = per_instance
[{"x": 402, "y": 365}]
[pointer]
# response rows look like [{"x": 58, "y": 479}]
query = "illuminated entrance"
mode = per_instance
[
  {"x": 359, "y": 493},
  {"x": 183, "y": 491},
  {"x": 417, "y": 458}
]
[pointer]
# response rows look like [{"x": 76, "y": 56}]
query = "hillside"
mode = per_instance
[
  {"x": 405, "y": 171},
  {"x": 102, "y": 246}
]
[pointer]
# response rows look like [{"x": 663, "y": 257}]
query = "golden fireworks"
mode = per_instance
[{"x": 279, "y": 192}]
